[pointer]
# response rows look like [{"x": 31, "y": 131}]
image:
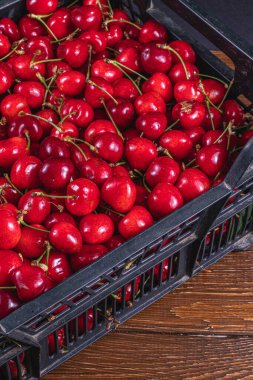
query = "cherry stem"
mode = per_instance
[
  {"x": 114, "y": 63},
  {"x": 210, "y": 115},
  {"x": 48, "y": 87},
  {"x": 207, "y": 99},
  {"x": 145, "y": 184},
  {"x": 77, "y": 147},
  {"x": 28, "y": 140},
  {"x": 111, "y": 210},
  {"x": 41, "y": 118},
  {"x": 21, "y": 221},
  {"x": 172, "y": 125},
  {"x": 166, "y": 153},
  {"x": 41, "y": 194},
  {"x": 212, "y": 77},
  {"x": 73, "y": 3},
  {"x": 6, "y": 176},
  {"x": 47, "y": 60},
  {"x": 66, "y": 116},
  {"x": 89, "y": 64},
  {"x": 167, "y": 47},
  {"x": 123, "y": 20},
  {"x": 226, "y": 93},
  {"x": 112, "y": 50},
  {"x": 71, "y": 139},
  {"x": 111, "y": 118},
  {"x": 126, "y": 67},
  {"x": 8, "y": 287},
  {"x": 46, "y": 252},
  {"x": 190, "y": 163},
  {"x": 69, "y": 37},
  {"x": 13, "y": 50},
  {"x": 227, "y": 129},
  {"x": 40, "y": 19},
  {"x": 103, "y": 90}
]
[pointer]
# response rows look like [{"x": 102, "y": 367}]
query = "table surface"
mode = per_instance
[{"x": 203, "y": 331}]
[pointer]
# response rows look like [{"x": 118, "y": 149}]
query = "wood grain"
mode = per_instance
[{"x": 203, "y": 330}]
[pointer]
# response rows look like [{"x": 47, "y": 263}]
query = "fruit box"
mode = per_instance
[{"x": 197, "y": 235}]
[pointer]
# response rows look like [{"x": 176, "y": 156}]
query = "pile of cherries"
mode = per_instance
[{"x": 106, "y": 127}]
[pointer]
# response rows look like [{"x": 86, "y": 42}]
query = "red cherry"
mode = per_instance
[
  {"x": 188, "y": 90},
  {"x": 246, "y": 136},
  {"x": 75, "y": 52},
  {"x": 162, "y": 169},
  {"x": 12, "y": 105},
  {"x": 51, "y": 341},
  {"x": 66, "y": 237},
  {"x": 96, "y": 228},
  {"x": 9, "y": 260},
  {"x": 155, "y": 59},
  {"x": 25, "y": 172},
  {"x": 32, "y": 242},
  {"x": 60, "y": 23},
  {"x": 5, "y": 45},
  {"x": 130, "y": 58},
  {"x": 57, "y": 67},
  {"x": 131, "y": 133},
  {"x": 184, "y": 49},
  {"x": 56, "y": 173},
  {"x": 30, "y": 281},
  {"x": 54, "y": 148},
  {"x": 216, "y": 117},
  {"x": 87, "y": 17},
  {"x": 113, "y": 34},
  {"x": 149, "y": 102},
  {"x": 195, "y": 134},
  {"x": 25, "y": 69},
  {"x": 58, "y": 266},
  {"x": 125, "y": 89},
  {"x": 9, "y": 28},
  {"x": 214, "y": 90},
  {"x": 67, "y": 129},
  {"x": 232, "y": 111},
  {"x": 33, "y": 91},
  {"x": 177, "y": 143},
  {"x": 79, "y": 111},
  {"x": 10, "y": 230},
  {"x": 114, "y": 242},
  {"x": 140, "y": 152},
  {"x": 36, "y": 207},
  {"x": 119, "y": 193},
  {"x": 120, "y": 15},
  {"x": 211, "y": 159},
  {"x": 141, "y": 196},
  {"x": 96, "y": 170},
  {"x": 105, "y": 70},
  {"x": 153, "y": 31},
  {"x": 160, "y": 83},
  {"x": 85, "y": 199},
  {"x": 177, "y": 72},
  {"x": 7, "y": 77},
  {"x": 11, "y": 149},
  {"x": 97, "y": 127},
  {"x": 190, "y": 114},
  {"x": 215, "y": 137},
  {"x": 96, "y": 39},
  {"x": 131, "y": 32},
  {"x": 40, "y": 46},
  {"x": 88, "y": 254},
  {"x": 109, "y": 146},
  {"x": 122, "y": 113},
  {"x": 29, "y": 27},
  {"x": 126, "y": 44},
  {"x": 8, "y": 302},
  {"x": 192, "y": 183},
  {"x": 152, "y": 124},
  {"x": 57, "y": 217},
  {"x": 77, "y": 154},
  {"x": 135, "y": 221},
  {"x": 164, "y": 199},
  {"x": 49, "y": 116},
  {"x": 25, "y": 125},
  {"x": 39, "y": 7},
  {"x": 8, "y": 192},
  {"x": 94, "y": 95},
  {"x": 128, "y": 291}
]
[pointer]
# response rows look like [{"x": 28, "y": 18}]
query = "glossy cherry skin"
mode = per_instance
[
  {"x": 23, "y": 125},
  {"x": 130, "y": 58},
  {"x": 9, "y": 28},
  {"x": 54, "y": 148},
  {"x": 96, "y": 228},
  {"x": 216, "y": 117},
  {"x": 215, "y": 137},
  {"x": 128, "y": 43},
  {"x": 32, "y": 242},
  {"x": 125, "y": 89},
  {"x": 162, "y": 169},
  {"x": 71, "y": 83},
  {"x": 184, "y": 49},
  {"x": 24, "y": 68},
  {"x": 97, "y": 127},
  {"x": 5, "y": 45},
  {"x": 164, "y": 199},
  {"x": 80, "y": 155},
  {"x": 122, "y": 113},
  {"x": 41, "y": 46},
  {"x": 188, "y": 90},
  {"x": 66, "y": 237},
  {"x": 88, "y": 254},
  {"x": 75, "y": 52},
  {"x": 94, "y": 95},
  {"x": 8, "y": 302},
  {"x": 60, "y": 23},
  {"x": 120, "y": 15},
  {"x": 87, "y": 17},
  {"x": 195, "y": 134},
  {"x": 177, "y": 143},
  {"x": 12, "y": 105},
  {"x": 192, "y": 183},
  {"x": 11, "y": 149},
  {"x": 49, "y": 116},
  {"x": 81, "y": 113},
  {"x": 232, "y": 111},
  {"x": 119, "y": 193},
  {"x": 33, "y": 91},
  {"x": 58, "y": 266},
  {"x": 109, "y": 146},
  {"x": 30, "y": 281},
  {"x": 9, "y": 260},
  {"x": 25, "y": 172},
  {"x": 86, "y": 196},
  {"x": 41, "y": 7},
  {"x": 8, "y": 192},
  {"x": 57, "y": 67},
  {"x": 155, "y": 59},
  {"x": 140, "y": 152},
  {"x": 114, "y": 242},
  {"x": 177, "y": 72},
  {"x": 7, "y": 77},
  {"x": 160, "y": 83},
  {"x": 189, "y": 114},
  {"x": 149, "y": 102},
  {"x": 105, "y": 70},
  {"x": 97, "y": 170},
  {"x": 96, "y": 39},
  {"x": 36, "y": 207},
  {"x": 152, "y": 124},
  {"x": 29, "y": 27},
  {"x": 135, "y": 221},
  {"x": 58, "y": 217},
  {"x": 152, "y": 31},
  {"x": 56, "y": 173},
  {"x": 211, "y": 159},
  {"x": 214, "y": 90}
]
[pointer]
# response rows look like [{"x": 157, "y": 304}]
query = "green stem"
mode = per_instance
[
  {"x": 228, "y": 128},
  {"x": 73, "y": 3},
  {"x": 71, "y": 139},
  {"x": 207, "y": 99},
  {"x": 8, "y": 287},
  {"x": 48, "y": 87},
  {"x": 47, "y": 60},
  {"x": 32, "y": 228},
  {"x": 111, "y": 210},
  {"x": 210, "y": 115},
  {"x": 77, "y": 147},
  {"x": 28, "y": 140},
  {"x": 123, "y": 20},
  {"x": 89, "y": 64},
  {"x": 40, "y": 19},
  {"x": 167, "y": 153},
  {"x": 41, "y": 118},
  {"x": 226, "y": 93},
  {"x": 190, "y": 163},
  {"x": 68, "y": 115},
  {"x": 103, "y": 90},
  {"x": 212, "y": 77},
  {"x": 167, "y": 47},
  {"x": 6, "y": 176},
  {"x": 172, "y": 125},
  {"x": 145, "y": 184},
  {"x": 127, "y": 75},
  {"x": 13, "y": 50},
  {"x": 127, "y": 68},
  {"x": 111, "y": 118},
  {"x": 41, "y": 194}
]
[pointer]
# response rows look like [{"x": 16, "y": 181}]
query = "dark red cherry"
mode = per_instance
[
  {"x": 184, "y": 49},
  {"x": 56, "y": 173},
  {"x": 10, "y": 231},
  {"x": 122, "y": 113},
  {"x": 160, "y": 83},
  {"x": 33, "y": 91},
  {"x": 74, "y": 52},
  {"x": 211, "y": 159},
  {"x": 58, "y": 266},
  {"x": 66, "y": 237},
  {"x": 54, "y": 148},
  {"x": 32, "y": 241},
  {"x": 96, "y": 228},
  {"x": 30, "y": 281},
  {"x": 97, "y": 170},
  {"x": 7, "y": 77},
  {"x": 152, "y": 124},
  {"x": 8, "y": 302},
  {"x": 23, "y": 125},
  {"x": 48, "y": 115},
  {"x": 41, "y": 47},
  {"x": 25, "y": 172},
  {"x": 80, "y": 112},
  {"x": 113, "y": 34},
  {"x": 215, "y": 137},
  {"x": 164, "y": 199},
  {"x": 39, "y": 7},
  {"x": 9, "y": 28},
  {"x": 109, "y": 146},
  {"x": 87, "y": 17},
  {"x": 192, "y": 183},
  {"x": 131, "y": 59},
  {"x": 8, "y": 193},
  {"x": 152, "y": 31},
  {"x": 97, "y": 127},
  {"x": 5, "y": 45},
  {"x": 57, "y": 217},
  {"x": 9, "y": 260},
  {"x": 11, "y": 149},
  {"x": 88, "y": 254},
  {"x": 60, "y": 23},
  {"x": 177, "y": 72},
  {"x": 80, "y": 155},
  {"x": 214, "y": 90},
  {"x": 162, "y": 169},
  {"x": 214, "y": 115},
  {"x": 232, "y": 111},
  {"x": 29, "y": 27},
  {"x": 195, "y": 134},
  {"x": 94, "y": 93},
  {"x": 155, "y": 59}
]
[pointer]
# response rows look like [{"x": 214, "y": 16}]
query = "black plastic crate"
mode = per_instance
[{"x": 154, "y": 263}]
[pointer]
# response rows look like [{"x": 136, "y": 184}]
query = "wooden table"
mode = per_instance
[{"x": 201, "y": 331}]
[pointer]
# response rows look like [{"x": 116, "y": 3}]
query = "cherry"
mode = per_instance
[
  {"x": 135, "y": 221},
  {"x": 87, "y": 17},
  {"x": 189, "y": 114},
  {"x": 84, "y": 323},
  {"x": 152, "y": 31},
  {"x": 85, "y": 197},
  {"x": 25, "y": 172},
  {"x": 58, "y": 266},
  {"x": 152, "y": 124},
  {"x": 25, "y": 69},
  {"x": 7, "y": 77},
  {"x": 98, "y": 89},
  {"x": 128, "y": 291},
  {"x": 39, "y": 7},
  {"x": 125, "y": 89},
  {"x": 141, "y": 196},
  {"x": 105, "y": 70},
  {"x": 29, "y": 27},
  {"x": 5, "y": 45},
  {"x": 9, "y": 28},
  {"x": 52, "y": 147},
  {"x": 74, "y": 52},
  {"x": 109, "y": 146},
  {"x": 33, "y": 91},
  {"x": 12, "y": 105},
  {"x": 121, "y": 171},
  {"x": 32, "y": 241},
  {"x": 56, "y": 98},
  {"x": 58, "y": 217},
  {"x": 9, "y": 260},
  {"x": 9, "y": 302},
  {"x": 115, "y": 242},
  {"x": 232, "y": 111},
  {"x": 30, "y": 281},
  {"x": 97, "y": 127},
  {"x": 95, "y": 3},
  {"x": 212, "y": 119},
  {"x": 119, "y": 15},
  {"x": 51, "y": 341},
  {"x": 155, "y": 59},
  {"x": 87, "y": 255},
  {"x": 66, "y": 130},
  {"x": 160, "y": 83},
  {"x": 192, "y": 183},
  {"x": 60, "y": 23},
  {"x": 128, "y": 43},
  {"x": 164, "y": 199},
  {"x": 122, "y": 113},
  {"x": 35, "y": 208},
  {"x": 195, "y": 134},
  {"x": 10, "y": 208},
  {"x": 188, "y": 90},
  {"x": 96, "y": 228},
  {"x": 184, "y": 49},
  {"x": 8, "y": 193},
  {"x": 162, "y": 169},
  {"x": 57, "y": 67},
  {"x": 49, "y": 116},
  {"x": 96, "y": 39},
  {"x": 24, "y": 126},
  {"x": 11, "y": 149},
  {"x": 211, "y": 159},
  {"x": 113, "y": 34},
  {"x": 149, "y": 102},
  {"x": 177, "y": 143},
  {"x": 119, "y": 193},
  {"x": 56, "y": 173},
  {"x": 66, "y": 237},
  {"x": 71, "y": 83},
  {"x": 79, "y": 154},
  {"x": 97, "y": 170},
  {"x": 215, "y": 137},
  {"x": 140, "y": 152},
  {"x": 130, "y": 59},
  {"x": 131, "y": 133},
  {"x": 80, "y": 112},
  {"x": 214, "y": 90},
  {"x": 131, "y": 32},
  {"x": 40, "y": 47},
  {"x": 177, "y": 72}
]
